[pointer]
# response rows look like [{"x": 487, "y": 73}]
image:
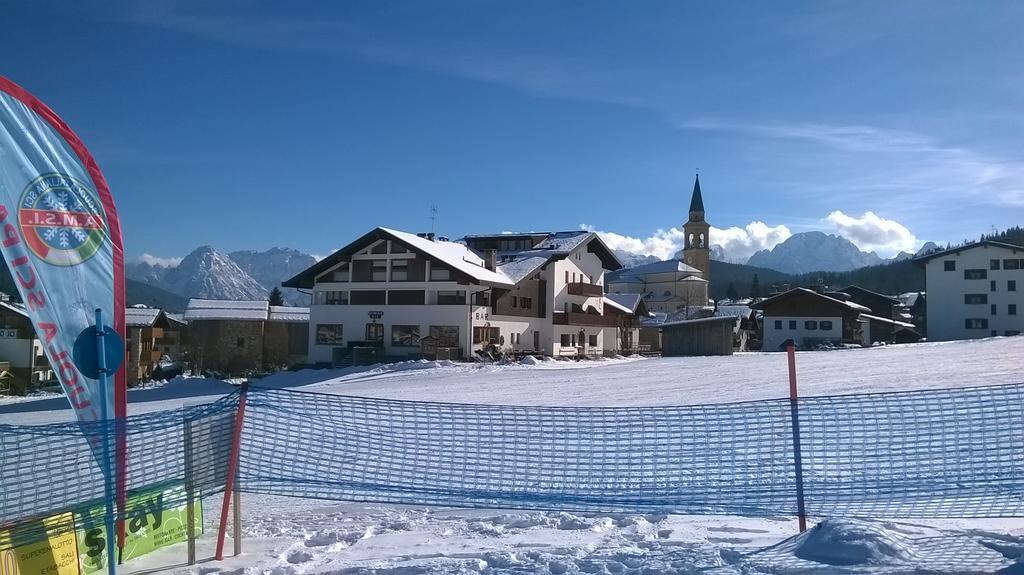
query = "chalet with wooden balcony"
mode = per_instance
[{"x": 416, "y": 295}]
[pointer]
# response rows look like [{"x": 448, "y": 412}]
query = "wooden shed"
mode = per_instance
[{"x": 705, "y": 336}]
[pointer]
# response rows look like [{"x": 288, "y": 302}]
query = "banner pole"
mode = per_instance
[
  {"x": 229, "y": 482},
  {"x": 190, "y": 489},
  {"x": 108, "y": 484},
  {"x": 795, "y": 415}
]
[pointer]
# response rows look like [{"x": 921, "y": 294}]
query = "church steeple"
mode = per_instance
[
  {"x": 697, "y": 246},
  {"x": 696, "y": 201}
]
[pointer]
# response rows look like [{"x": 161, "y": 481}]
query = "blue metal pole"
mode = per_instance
[{"x": 108, "y": 484}]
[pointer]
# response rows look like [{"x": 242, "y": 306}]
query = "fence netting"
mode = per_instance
[{"x": 935, "y": 453}]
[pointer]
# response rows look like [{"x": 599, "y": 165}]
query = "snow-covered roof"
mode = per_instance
[
  {"x": 888, "y": 321},
  {"x": 909, "y": 299},
  {"x": 521, "y": 268},
  {"x": 627, "y": 302},
  {"x": 210, "y": 309},
  {"x": 454, "y": 254},
  {"x": 141, "y": 317},
  {"x": 804, "y": 292},
  {"x": 732, "y": 310},
  {"x": 733, "y": 320},
  {"x": 15, "y": 307},
  {"x": 288, "y": 314},
  {"x": 922, "y": 258}
]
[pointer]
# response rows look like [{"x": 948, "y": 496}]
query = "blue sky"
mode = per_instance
[{"x": 248, "y": 126}]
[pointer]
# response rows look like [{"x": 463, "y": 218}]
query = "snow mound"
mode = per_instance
[
  {"x": 851, "y": 542},
  {"x": 529, "y": 360}
]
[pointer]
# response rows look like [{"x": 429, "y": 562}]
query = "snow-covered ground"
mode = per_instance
[{"x": 297, "y": 536}]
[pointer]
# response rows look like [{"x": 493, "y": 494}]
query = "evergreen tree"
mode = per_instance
[
  {"x": 276, "y": 297},
  {"x": 731, "y": 293},
  {"x": 755, "y": 288}
]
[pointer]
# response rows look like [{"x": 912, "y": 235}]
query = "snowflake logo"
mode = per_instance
[{"x": 61, "y": 219}]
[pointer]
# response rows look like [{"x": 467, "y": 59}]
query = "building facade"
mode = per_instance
[
  {"x": 809, "y": 319},
  {"x": 415, "y": 295},
  {"x": 974, "y": 291},
  {"x": 238, "y": 337},
  {"x": 21, "y": 351}
]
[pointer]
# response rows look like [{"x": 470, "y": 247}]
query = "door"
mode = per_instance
[{"x": 536, "y": 340}]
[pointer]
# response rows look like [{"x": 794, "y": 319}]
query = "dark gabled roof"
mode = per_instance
[
  {"x": 804, "y": 292},
  {"x": 921, "y": 259},
  {"x": 696, "y": 201},
  {"x": 850, "y": 288}
]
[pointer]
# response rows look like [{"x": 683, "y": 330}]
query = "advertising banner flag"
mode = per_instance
[{"x": 61, "y": 239}]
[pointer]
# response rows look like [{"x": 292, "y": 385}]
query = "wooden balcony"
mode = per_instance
[
  {"x": 576, "y": 318},
  {"x": 589, "y": 290}
]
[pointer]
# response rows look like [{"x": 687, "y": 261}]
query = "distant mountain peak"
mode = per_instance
[{"x": 812, "y": 252}]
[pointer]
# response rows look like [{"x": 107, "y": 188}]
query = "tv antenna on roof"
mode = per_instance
[{"x": 433, "y": 219}]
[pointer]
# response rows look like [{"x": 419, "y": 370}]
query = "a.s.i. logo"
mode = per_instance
[{"x": 61, "y": 220}]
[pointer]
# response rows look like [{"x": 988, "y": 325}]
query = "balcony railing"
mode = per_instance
[
  {"x": 576, "y": 318},
  {"x": 590, "y": 290}
]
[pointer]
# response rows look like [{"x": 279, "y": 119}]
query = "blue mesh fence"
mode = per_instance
[
  {"x": 935, "y": 453},
  {"x": 50, "y": 469}
]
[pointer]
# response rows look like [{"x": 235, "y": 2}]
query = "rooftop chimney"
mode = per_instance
[{"x": 490, "y": 259}]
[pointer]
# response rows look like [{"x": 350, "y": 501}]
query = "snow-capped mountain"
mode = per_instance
[
  {"x": 204, "y": 273},
  {"x": 631, "y": 260},
  {"x": 273, "y": 266},
  {"x": 926, "y": 248},
  {"x": 814, "y": 251},
  {"x": 901, "y": 256}
]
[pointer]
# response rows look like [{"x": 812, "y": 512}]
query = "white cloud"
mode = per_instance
[
  {"x": 159, "y": 262},
  {"x": 737, "y": 243},
  {"x": 873, "y": 233}
]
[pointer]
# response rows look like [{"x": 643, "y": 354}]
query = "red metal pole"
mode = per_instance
[
  {"x": 795, "y": 414},
  {"x": 229, "y": 482}
]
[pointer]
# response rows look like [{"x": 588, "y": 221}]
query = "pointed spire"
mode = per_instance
[{"x": 696, "y": 202}]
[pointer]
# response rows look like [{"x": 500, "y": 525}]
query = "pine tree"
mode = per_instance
[
  {"x": 276, "y": 297},
  {"x": 731, "y": 293},
  {"x": 755, "y": 288}
]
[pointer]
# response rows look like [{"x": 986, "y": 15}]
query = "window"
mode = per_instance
[
  {"x": 407, "y": 297},
  {"x": 379, "y": 270},
  {"x": 1011, "y": 309},
  {"x": 994, "y": 333},
  {"x": 566, "y": 342},
  {"x": 451, "y": 297},
  {"x": 380, "y": 248},
  {"x": 239, "y": 343},
  {"x": 397, "y": 248},
  {"x": 1011, "y": 264},
  {"x": 482, "y": 298},
  {"x": 975, "y": 274},
  {"x": 340, "y": 274},
  {"x": 1011, "y": 285},
  {"x": 949, "y": 265},
  {"x": 974, "y": 323},
  {"x": 399, "y": 270},
  {"x": 445, "y": 335},
  {"x": 592, "y": 340},
  {"x": 566, "y": 276},
  {"x": 975, "y": 298},
  {"x": 778, "y": 324},
  {"x": 792, "y": 324},
  {"x": 368, "y": 297},
  {"x": 993, "y": 264},
  {"x": 375, "y": 332},
  {"x": 328, "y": 334},
  {"x": 405, "y": 335},
  {"x": 825, "y": 325},
  {"x": 515, "y": 301},
  {"x": 440, "y": 274},
  {"x": 992, "y": 285},
  {"x": 526, "y": 303},
  {"x": 810, "y": 325},
  {"x": 486, "y": 335},
  {"x": 992, "y": 309},
  {"x": 331, "y": 298}
]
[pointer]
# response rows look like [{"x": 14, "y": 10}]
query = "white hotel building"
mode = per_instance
[
  {"x": 974, "y": 291},
  {"x": 410, "y": 294}
]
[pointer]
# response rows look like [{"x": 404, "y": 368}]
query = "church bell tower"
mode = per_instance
[{"x": 697, "y": 250}]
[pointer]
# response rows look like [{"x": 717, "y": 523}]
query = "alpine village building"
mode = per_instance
[
  {"x": 974, "y": 291},
  {"x": 395, "y": 294}
]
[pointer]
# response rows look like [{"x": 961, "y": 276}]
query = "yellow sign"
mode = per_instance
[{"x": 55, "y": 555}]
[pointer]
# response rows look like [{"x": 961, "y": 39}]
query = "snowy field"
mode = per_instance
[{"x": 299, "y": 536}]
